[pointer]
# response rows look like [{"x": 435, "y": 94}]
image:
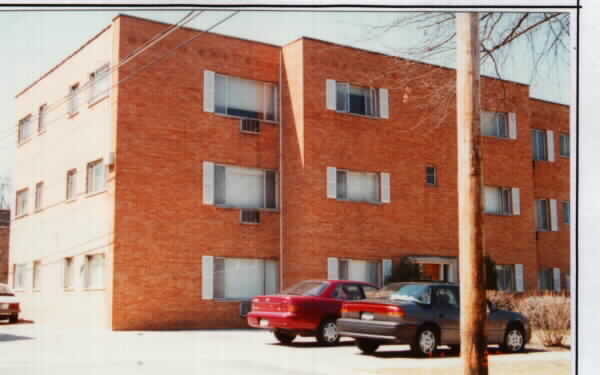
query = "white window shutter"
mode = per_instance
[
  {"x": 519, "y": 278},
  {"x": 330, "y": 94},
  {"x": 452, "y": 273},
  {"x": 384, "y": 105},
  {"x": 332, "y": 268},
  {"x": 385, "y": 188},
  {"x": 553, "y": 215},
  {"x": 207, "y": 276},
  {"x": 556, "y": 277},
  {"x": 209, "y": 91},
  {"x": 512, "y": 125},
  {"x": 550, "y": 142},
  {"x": 516, "y": 201},
  {"x": 208, "y": 181},
  {"x": 331, "y": 182},
  {"x": 386, "y": 265}
]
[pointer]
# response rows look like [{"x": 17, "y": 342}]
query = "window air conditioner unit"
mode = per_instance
[
  {"x": 249, "y": 125},
  {"x": 249, "y": 217}
]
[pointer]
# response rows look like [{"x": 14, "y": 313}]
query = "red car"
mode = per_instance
[{"x": 309, "y": 308}]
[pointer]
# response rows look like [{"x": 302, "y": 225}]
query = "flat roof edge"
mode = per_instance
[{"x": 61, "y": 62}]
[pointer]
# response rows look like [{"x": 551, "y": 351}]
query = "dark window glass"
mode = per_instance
[
  {"x": 219, "y": 184},
  {"x": 270, "y": 193},
  {"x": 342, "y": 185},
  {"x": 431, "y": 175}
]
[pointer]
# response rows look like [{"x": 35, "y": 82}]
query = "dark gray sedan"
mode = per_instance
[{"x": 423, "y": 315}]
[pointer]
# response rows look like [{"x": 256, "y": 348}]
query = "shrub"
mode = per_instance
[{"x": 549, "y": 313}]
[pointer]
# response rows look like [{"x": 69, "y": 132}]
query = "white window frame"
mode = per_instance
[
  {"x": 19, "y": 276},
  {"x": 212, "y": 184},
  {"x": 71, "y": 188},
  {"x": 21, "y": 202},
  {"x": 377, "y": 176},
  {"x": 564, "y": 152},
  {"x": 266, "y": 86},
  {"x": 36, "y": 275},
  {"x": 214, "y": 278},
  {"x": 69, "y": 273},
  {"x": 39, "y": 196},
  {"x": 87, "y": 278},
  {"x": 42, "y": 112},
  {"x": 373, "y": 97},
  {"x": 548, "y": 144},
  {"x": 73, "y": 100},
  {"x": 507, "y": 201},
  {"x": 99, "y": 74},
  {"x": 24, "y": 131},
  {"x": 91, "y": 183},
  {"x": 497, "y": 125}
]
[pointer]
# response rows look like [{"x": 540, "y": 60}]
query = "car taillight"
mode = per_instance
[
  {"x": 13, "y": 306},
  {"x": 344, "y": 310},
  {"x": 395, "y": 312},
  {"x": 292, "y": 308}
]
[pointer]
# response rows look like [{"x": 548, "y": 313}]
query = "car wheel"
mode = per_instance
[
  {"x": 14, "y": 318},
  {"x": 426, "y": 342},
  {"x": 514, "y": 340},
  {"x": 367, "y": 346},
  {"x": 327, "y": 334},
  {"x": 285, "y": 338}
]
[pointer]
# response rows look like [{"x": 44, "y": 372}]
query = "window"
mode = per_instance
[
  {"x": 69, "y": 274},
  {"x": 95, "y": 177},
  {"x": 37, "y": 265},
  {"x": 549, "y": 279},
  {"x": 543, "y": 144},
  {"x": 94, "y": 271},
  {"x": 358, "y": 100},
  {"x": 73, "y": 104},
  {"x": 244, "y": 187},
  {"x": 431, "y": 175},
  {"x": 22, "y": 200},
  {"x": 564, "y": 145},
  {"x": 499, "y": 200},
  {"x": 566, "y": 206},
  {"x": 19, "y": 276},
  {"x": 71, "y": 183},
  {"x": 445, "y": 297},
  {"x": 505, "y": 277},
  {"x": 495, "y": 124},
  {"x": 348, "y": 292},
  {"x": 245, "y": 98},
  {"x": 360, "y": 270},
  {"x": 542, "y": 210},
  {"x": 239, "y": 278},
  {"x": 357, "y": 186},
  {"x": 39, "y": 195},
  {"x": 42, "y": 118},
  {"x": 24, "y": 129},
  {"x": 99, "y": 83}
]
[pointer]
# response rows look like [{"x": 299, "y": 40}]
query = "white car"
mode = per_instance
[{"x": 9, "y": 306}]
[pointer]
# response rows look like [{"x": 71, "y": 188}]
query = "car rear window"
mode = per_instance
[
  {"x": 307, "y": 288},
  {"x": 400, "y": 291}
]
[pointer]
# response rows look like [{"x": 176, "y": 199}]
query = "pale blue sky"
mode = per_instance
[{"x": 34, "y": 42}]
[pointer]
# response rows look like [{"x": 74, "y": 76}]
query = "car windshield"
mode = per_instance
[
  {"x": 408, "y": 292},
  {"x": 307, "y": 288},
  {"x": 5, "y": 290}
]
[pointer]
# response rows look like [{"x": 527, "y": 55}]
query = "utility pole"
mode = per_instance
[{"x": 472, "y": 285}]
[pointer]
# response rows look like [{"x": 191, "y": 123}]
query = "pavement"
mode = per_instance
[{"x": 33, "y": 349}]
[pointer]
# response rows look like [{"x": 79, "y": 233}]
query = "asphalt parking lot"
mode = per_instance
[{"x": 32, "y": 349}]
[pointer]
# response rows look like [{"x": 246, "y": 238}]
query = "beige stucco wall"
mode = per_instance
[{"x": 63, "y": 228}]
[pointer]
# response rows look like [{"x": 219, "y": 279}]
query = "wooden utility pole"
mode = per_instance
[{"x": 472, "y": 285}]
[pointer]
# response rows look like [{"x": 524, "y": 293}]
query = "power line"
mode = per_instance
[{"x": 86, "y": 86}]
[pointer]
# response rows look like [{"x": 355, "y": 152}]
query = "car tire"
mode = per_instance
[
  {"x": 283, "y": 337},
  {"x": 367, "y": 346},
  {"x": 514, "y": 339},
  {"x": 426, "y": 342},
  {"x": 14, "y": 318},
  {"x": 327, "y": 333}
]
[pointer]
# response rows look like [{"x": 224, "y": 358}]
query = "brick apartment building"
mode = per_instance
[
  {"x": 4, "y": 239},
  {"x": 153, "y": 205}
]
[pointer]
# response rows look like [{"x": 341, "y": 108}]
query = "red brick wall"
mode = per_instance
[
  {"x": 552, "y": 181},
  {"x": 162, "y": 228}
]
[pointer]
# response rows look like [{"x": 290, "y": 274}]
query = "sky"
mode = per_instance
[{"x": 33, "y": 42}]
